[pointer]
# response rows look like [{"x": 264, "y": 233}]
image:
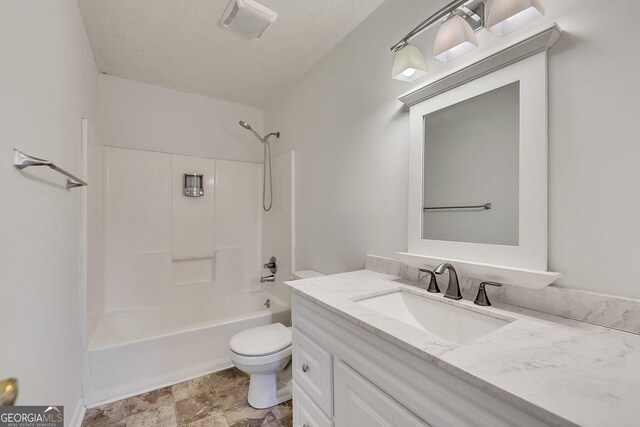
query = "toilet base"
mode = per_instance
[{"x": 267, "y": 390}]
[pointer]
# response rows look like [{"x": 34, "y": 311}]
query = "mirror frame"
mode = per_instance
[{"x": 531, "y": 253}]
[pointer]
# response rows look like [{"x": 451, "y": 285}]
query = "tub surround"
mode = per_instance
[
  {"x": 181, "y": 274},
  {"x": 163, "y": 249},
  {"x": 561, "y": 371},
  {"x": 599, "y": 309}
]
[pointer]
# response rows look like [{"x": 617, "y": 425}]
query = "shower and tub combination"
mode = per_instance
[{"x": 178, "y": 276}]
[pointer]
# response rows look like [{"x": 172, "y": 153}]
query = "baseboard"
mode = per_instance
[
  {"x": 78, "y": 414},
  {"x": 161, "y": 385}
]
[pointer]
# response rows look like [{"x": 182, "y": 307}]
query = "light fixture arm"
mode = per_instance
[{"x": 429, "y": 22}]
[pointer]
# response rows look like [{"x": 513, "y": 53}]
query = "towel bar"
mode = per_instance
[{"x": 21, "y": 161}]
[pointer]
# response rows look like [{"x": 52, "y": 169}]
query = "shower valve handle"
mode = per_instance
[{"x": 271, "y": 265}]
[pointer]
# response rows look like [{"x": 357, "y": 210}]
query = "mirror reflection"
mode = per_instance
[{"x": 471, "y": 170}]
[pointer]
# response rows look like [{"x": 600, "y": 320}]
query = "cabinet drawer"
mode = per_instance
[
  {"x": 305, "y": 412},
  {"x": 313, "y": 370}
]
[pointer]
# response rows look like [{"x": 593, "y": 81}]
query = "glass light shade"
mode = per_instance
[
  {"x": 455, "y": 37},
  {"x": 506, "y": 16},
  {"x": 409, "y": 64}
]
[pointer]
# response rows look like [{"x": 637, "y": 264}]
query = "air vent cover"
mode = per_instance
[{"x": 248, "y": 17}]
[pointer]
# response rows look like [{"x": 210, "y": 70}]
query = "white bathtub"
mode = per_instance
[{"x": 138, "y": 350}]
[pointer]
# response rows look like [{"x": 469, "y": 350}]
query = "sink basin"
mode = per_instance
[{"x": 447, "y": 321}]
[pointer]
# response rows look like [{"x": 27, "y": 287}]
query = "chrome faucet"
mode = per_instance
[
  {"x": 453, "y": 290},
  {"x": 270, "y": 278}
]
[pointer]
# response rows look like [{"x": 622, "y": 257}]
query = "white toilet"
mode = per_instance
[{"x": 265, "y": 354}]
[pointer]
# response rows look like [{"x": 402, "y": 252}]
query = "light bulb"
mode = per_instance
[
  {"x": 409, "y": 64},
  {"x": 409, "y": 72},
  {"x": 454, "y": 38}
]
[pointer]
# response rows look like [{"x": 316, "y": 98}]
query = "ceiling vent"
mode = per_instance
[{"x": 248, "y": 17}]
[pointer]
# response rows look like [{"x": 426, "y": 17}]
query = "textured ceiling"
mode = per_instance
[{"x": 180, "y": 44}]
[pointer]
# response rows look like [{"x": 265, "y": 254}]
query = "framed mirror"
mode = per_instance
[
  {"x": 470, "y": 170},
  {"x": 478, "y": 169}
]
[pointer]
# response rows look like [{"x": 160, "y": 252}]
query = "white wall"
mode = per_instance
[
  {"x": 350, "y": 134},
  {"x": 278, "y": 225},
  {"x": 137, "y": 258},
  {"x": 140, "y": 123},
  {"x": 145, "y": 117},
  {"x": 238, "y": 224},
  {"x": 48, "y": 81}
]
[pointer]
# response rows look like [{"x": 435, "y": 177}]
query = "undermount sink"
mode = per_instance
[{"x": 447, "y": 321}]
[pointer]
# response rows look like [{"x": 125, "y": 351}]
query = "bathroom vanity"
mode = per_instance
[{"x": 371, "y": 351}]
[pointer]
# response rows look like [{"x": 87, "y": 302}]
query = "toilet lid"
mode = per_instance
[{"x": 262, "y": 340}]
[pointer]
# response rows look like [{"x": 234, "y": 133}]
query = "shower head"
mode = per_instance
[
  {"x": 265, "y": 139},
  {"x": 247, "y": 126},
  {"x": 267, "y": 163}
]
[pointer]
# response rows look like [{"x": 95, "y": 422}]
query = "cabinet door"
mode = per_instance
[
  {"x": 305, "y": 412},
  {"x": 358, "y": 403},
  {"x": 312, "y": 366}
]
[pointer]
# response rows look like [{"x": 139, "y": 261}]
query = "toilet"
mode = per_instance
[{"x": 264, "y": 353}]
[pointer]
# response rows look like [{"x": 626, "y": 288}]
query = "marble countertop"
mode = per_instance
[{"x": 561, "y": 371}]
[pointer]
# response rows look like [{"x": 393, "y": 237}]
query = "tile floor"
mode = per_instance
[{"x": 215, "y": 400}]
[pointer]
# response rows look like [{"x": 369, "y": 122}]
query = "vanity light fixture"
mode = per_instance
[
  {"x": 509, "y": 15},
  {"x": 455, "y": 37},
  {"x": 409, "y": 64}
]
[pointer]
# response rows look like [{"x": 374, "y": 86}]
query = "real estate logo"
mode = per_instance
[{"x": 32, "y": 416}]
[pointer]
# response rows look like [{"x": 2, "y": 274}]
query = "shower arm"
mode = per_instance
[{"x": 266, "y": 137}]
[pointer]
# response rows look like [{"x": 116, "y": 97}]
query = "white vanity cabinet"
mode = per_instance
[{"x": 346, "y": 376}]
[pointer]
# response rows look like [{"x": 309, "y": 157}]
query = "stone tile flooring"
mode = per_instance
[{"x": 215, "y": 400}]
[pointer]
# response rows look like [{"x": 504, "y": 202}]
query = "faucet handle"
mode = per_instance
[
  {"x": 433, "y": 283},
  {"x": 271, "y": 265},
  {"x": 482, "y": 298}
]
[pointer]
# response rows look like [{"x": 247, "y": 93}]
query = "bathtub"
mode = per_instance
[{"x": 137, "y": 350}]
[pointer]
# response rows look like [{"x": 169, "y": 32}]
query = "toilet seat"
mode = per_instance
[
  {"x": 260, "y": 360},
  {"x": 261, "y": 341}
]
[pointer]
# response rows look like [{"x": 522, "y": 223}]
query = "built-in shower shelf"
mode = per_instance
[
  {"x": 193, "y": 270},
  {"x": 525, "y": 278}
]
